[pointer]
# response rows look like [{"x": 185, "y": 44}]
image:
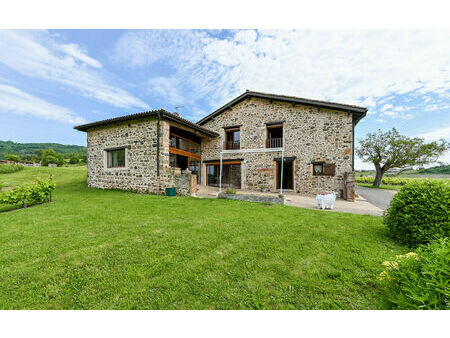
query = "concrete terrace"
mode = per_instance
[{"x": 361, "y": 206}]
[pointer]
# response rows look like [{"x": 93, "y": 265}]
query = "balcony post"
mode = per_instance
[
  {"x": 282, "y": 166},
  {"x": 220, "y": 174}
]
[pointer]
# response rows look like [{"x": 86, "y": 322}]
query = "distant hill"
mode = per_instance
[
  {"x": 441, "y": 169},
  {"x": 9, "y": 147}
]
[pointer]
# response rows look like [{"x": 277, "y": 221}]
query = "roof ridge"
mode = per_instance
[
  {"x": 357, "y": 111},
  {"x": 305, "y": 98},
  {"x": 84, "y": 127}
]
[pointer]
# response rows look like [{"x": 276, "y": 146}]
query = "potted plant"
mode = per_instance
[{"x": 263, "y": 188}]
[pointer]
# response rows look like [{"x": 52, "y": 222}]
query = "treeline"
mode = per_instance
[
  {"x": 443, "y": 169},
  {"x": 47, "y": 156},
  {"x": 29, "y": 149},
  {"x": 37, "y": 152}
]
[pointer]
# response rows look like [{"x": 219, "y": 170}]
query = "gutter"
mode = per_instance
[
  {"x": 158, "y": 133},
  {"x": 353, "y": 146}
]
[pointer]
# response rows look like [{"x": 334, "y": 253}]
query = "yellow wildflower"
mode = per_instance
[
  {"x": 412, "y": 254},
  {"x": 384, "y": 276}
]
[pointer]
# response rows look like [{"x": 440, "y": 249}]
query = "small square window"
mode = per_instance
[
  {"x": 317, "y": 169},
  {"x": 115, "y": 158}
]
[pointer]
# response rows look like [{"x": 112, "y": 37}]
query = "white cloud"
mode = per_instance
[
  {"x": 386, "y": 107},
  {"x": 166, "y": 87},
  {"x": 79, "y": 54},
  {"x": 355, "y": 67},
  {"x": 37, "y": 54},
  {"x": 13, "y": 100},
  {"x": 436, "y": 134}
]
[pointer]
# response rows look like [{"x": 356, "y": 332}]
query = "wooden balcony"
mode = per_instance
[
  {"x": 274, "y": 143},
  {"x": 232, "y": 145}
]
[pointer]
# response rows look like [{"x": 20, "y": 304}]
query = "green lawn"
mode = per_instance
[{"x": 94, "y": 249}]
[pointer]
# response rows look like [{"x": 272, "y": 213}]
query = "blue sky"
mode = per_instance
[{"x": 53, "y": 80}]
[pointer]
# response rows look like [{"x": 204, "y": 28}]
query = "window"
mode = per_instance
[
  {"x": 231, "y": 174},
  {"x": 274, "y": 136},
  {"x": 184, "y": 144},
  {"x": 115, "y": 158},
  {"x": 232, "y": 139},
  {"x": 212, "y": 172},
  {"x": 324, "y": 169},
  {"x": 318, "y": 169},
  {"x": 178, "y": 161}
]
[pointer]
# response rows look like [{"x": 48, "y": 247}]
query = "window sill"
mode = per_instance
[{"x": 116, "y": 169}]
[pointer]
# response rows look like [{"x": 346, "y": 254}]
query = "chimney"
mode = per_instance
[{"x": 176, "y": 114}]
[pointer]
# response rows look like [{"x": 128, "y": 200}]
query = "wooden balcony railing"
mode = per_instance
[
  {"x": 232, "y": 145},
  {"x": 274, "y": 143}
]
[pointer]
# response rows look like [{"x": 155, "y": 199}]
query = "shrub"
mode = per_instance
[
  {"x": 73, "y": 160},
  {"x": 393, "y": 180},
  {"x": 419, "y": 280},
  {"x": 10, "y": 168},
  {"x": 418, "y": 213},
  {"x": 38, "y": 192},
  {"x": 230, "y": 191},
  {"x": 12, "y": 157}
]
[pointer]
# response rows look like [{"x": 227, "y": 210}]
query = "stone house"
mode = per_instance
[{"x": 154, "y": 150}]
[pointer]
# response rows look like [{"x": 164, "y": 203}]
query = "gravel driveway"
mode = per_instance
[{"x": 378, "y": 197}]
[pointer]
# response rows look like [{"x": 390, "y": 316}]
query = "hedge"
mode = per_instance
[
  {"x": 394, "y": 180},
  {"x": 10, "y": 168}
]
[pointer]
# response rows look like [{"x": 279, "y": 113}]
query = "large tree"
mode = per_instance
[{"x": 388, "y": 150}]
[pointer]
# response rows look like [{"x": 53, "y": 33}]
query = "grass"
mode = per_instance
[
  {"x": 382, "y": 186},
  {"x": 108, "y": 249},
  {"x": 10, "y": 168}
]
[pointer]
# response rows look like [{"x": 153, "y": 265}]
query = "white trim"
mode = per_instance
[
  {"x": 259, "y": 150},
  {"x": 105, "y": 159}
]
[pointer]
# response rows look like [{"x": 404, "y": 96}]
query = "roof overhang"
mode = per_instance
[
  {"x": 203, "y": 132},
  {"x": 357, "y": 112}
]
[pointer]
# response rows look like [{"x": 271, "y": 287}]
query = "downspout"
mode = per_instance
[
  {"x": 353, "y": 146},
  {"x": 158, "y": 132}
]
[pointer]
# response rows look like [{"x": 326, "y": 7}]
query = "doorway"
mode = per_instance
[{"x": 288, "y": 175}]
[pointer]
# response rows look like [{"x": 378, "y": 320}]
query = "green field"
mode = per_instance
[
  {"x": 382, "y": 186},
  {"x": 96, "y": 249}
]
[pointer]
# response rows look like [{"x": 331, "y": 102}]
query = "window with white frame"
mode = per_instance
[{"x": 115, "y": 158}]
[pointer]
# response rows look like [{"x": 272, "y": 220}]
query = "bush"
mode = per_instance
[
  {"x": 73, "y": 160},
  {"x": 10, "y": 168},
  {"x": 28, "y": 194},
  {"x": 418, "y": 213},
  {"x": 393, "y": 180},
  {"x": 230, "y": 191},
  {"x": 12, "y": 157},
  {"x": 419, "y": 280}
]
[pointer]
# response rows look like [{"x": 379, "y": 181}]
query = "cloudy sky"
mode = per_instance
[{"x": 53, "y": 80}]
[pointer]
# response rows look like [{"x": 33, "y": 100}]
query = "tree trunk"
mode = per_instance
[{"x": 378, "y": 176}]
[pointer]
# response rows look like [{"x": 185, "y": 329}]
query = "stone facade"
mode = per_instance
[
  {"x": 311, "y": 134},
  {"x": 139, "y": 137}
]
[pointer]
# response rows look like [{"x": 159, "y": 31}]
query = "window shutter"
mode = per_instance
[{"x": 329, "y": 169}]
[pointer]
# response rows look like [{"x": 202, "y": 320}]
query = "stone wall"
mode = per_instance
[
  {"x": 139, "y": 137},
  {"x": 310, "y": 134}
]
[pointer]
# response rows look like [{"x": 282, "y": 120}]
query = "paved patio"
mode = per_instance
[{"x": 360, "y": 206}]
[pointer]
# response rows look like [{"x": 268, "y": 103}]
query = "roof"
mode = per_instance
[
  {"x": 357, "y": 111},
  {"x": 164, "y": 114}
]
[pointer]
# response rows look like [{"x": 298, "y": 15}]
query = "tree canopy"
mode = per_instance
[{"x": 388, "y": 150}]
